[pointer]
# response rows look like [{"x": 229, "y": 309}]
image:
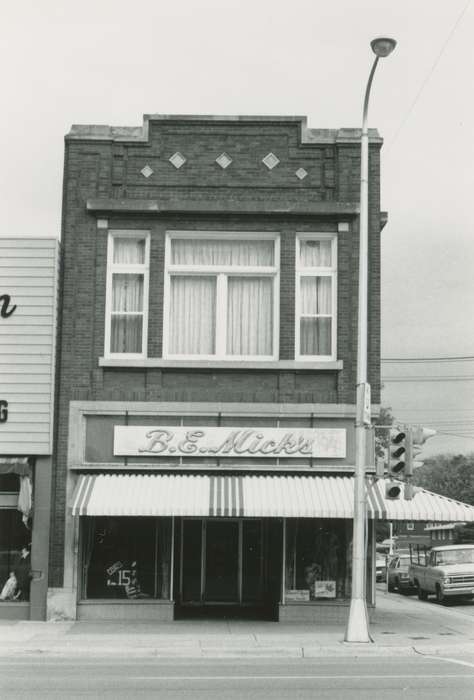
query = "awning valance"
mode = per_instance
[
  {"x": 15, "y": 465},
  {"x": 252, "y": 496}
]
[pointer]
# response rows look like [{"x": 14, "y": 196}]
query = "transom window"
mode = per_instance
[
  {"x": 221, "y": 293},
  {"x": 127, "y": 294},
  {"x": 316, "y": 265}
]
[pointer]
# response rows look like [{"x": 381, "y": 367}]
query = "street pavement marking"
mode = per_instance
[
  {"x": 449, "y": 659},
  {"x": 298, "y": 678}
]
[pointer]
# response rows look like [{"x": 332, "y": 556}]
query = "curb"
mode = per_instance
[{"x": 211, "y": 652}]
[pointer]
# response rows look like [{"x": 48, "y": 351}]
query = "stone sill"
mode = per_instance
[
  {"x": 165, "y": 206},
  {"x": 222, "y": 364}
]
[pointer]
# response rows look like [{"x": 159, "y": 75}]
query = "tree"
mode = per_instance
[
  {"x": 449, "y": 475},
  {"x": 385, "y": 418}
]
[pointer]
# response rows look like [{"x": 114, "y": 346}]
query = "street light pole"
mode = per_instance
[{"x": 358, "y": 624}]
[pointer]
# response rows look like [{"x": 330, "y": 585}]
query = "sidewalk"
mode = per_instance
[{"x": 402, "y": 627}]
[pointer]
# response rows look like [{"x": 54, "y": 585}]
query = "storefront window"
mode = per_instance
[
  {"x": 128, "y": 558},
  {"x": 15, "y": 567},
  {"x": 317, "y": 559}
]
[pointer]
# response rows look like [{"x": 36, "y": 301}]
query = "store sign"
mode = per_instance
[
  {"x": 3, "y": 411},
  {"x": 29, "y": 277},
  {"x": 187, "y": 441},
  {"x": 6, "y": 307}
]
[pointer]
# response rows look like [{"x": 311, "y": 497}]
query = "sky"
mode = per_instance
[{"x": 110, "y": 62}]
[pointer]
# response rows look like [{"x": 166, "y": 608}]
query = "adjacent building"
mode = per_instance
[{"x": 28, "y": 326}]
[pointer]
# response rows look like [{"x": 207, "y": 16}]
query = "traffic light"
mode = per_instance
[
  {"x": 396, "y": 462},
  {"x": 393, "y": 490},
  {"x": 396, "y": 452}
]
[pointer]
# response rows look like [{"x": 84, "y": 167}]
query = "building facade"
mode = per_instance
[
  {"x": 206, "y": 398},
  {"x": 28, "y": 326}
]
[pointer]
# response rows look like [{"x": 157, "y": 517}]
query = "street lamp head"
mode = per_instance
[{"x": 382, "y": 46}]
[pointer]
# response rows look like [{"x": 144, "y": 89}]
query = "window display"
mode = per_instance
[
  {"x": 15, "y": 567},
  {"x": 125, "y": 557},
  {"x": 317, "y": 559}
]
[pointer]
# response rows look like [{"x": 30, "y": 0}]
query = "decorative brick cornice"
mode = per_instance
[{"x": 104, "y": 132}]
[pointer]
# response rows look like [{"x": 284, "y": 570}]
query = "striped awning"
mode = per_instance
[{"x": 252, "y": 496}]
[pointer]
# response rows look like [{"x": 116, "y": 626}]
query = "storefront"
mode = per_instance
[
  {"x": 28, "y": 308},
  {"x": 158, "y": 530},
  {"x": 209, "y": 513}
]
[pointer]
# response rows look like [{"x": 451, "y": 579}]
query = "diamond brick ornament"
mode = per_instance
[
  {"x": 223, "y": 160},
  {"x": 301, "y": 173},
  {"x": 146, "y": 171},
  {"x": 271, "y": 161},
  {"x": 177, "y": 159}
]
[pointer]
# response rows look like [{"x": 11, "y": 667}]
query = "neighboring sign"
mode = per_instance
[
  {"x": 202, "y": 441},
  {"x": 324, "y": 589},
  {"x": 296, "y": 595},
  {"x": 28, "y": 292}
]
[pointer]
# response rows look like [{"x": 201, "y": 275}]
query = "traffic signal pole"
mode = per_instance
[{"x": 358, "y": 623}]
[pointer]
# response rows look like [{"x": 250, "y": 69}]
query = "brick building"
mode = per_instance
[{"x": 206, "y": 397}]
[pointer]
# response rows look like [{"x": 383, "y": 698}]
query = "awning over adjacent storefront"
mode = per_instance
[{"x": 252, "y": 496}]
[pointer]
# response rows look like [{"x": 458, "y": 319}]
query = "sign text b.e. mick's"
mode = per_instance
[{"x": 201, "y": 441}]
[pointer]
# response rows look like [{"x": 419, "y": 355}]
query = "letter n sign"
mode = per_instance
[{"x": 5, "y": 311}]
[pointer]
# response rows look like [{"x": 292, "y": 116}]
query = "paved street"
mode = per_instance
[
  {"x": 420, "y": 650},
  {"x": 259, "y": 679}
]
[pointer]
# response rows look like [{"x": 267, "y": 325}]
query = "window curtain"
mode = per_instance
[
  {"x": 192, "y": 315},
  {"x": 222, "y": 252},
  {"x": 129, "y": 251},
  {"x": 315, "y": 253},
  {"x": 127, "y": 297},
  {"x": 249, "y": 316},
  {"x": 316, "y": 323},
  {"x": 127, "y": 309}
]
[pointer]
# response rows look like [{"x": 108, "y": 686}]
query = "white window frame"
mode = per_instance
[
  {"x": 143, "y": 269},
  {"x": 222, "y": 273},
  {"x": 303, "y": 271},
  {"x": 410, "y": 526}
]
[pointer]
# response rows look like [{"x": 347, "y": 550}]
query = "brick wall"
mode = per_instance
[{"x": 97, "y": 165}]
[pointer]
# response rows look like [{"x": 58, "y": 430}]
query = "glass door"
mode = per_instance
[
  {"x": 221, "y": 584},
  {"x": 222, "y": 561}
]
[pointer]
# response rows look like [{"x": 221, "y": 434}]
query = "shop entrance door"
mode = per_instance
[
  {"x": 221, "y": 581},
  {"x": 222, "y": 562}
]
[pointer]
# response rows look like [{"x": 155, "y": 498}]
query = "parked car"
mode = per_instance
[
  {"x": 398, "y": 577},
  {"x": 380, "y": 568},
  {"x": 448, "y": 572}
]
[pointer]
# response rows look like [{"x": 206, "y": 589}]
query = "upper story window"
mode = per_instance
[
  {"x": 316, "y": 295},
  {"x": 127, "y": 294},
  {"x": 221, "y": 296}
]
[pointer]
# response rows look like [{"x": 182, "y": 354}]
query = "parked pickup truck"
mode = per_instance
[{"x": 447, "y": 572}]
